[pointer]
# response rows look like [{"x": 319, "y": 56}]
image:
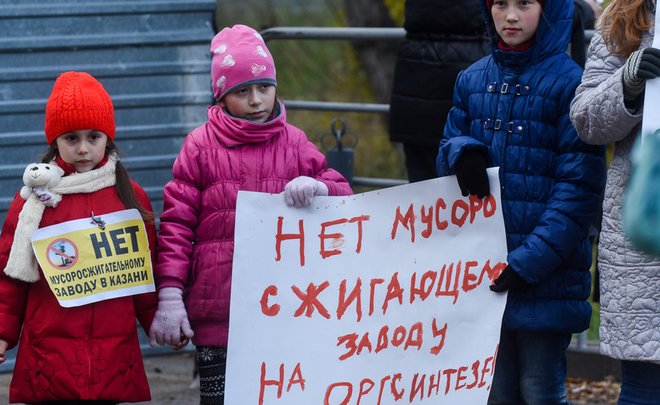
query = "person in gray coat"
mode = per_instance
[{"x": 607, "y": 108}]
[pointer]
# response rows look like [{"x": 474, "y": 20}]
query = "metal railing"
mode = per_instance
[
  {"x": 362, "y": 34},
  {"x": 316, "y": 33},
  {"x": 352, "y": 34},
  {"x": 340, "y": 33}
]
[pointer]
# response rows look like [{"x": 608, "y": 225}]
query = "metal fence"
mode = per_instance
[
  {"x": 347, "y": 34},
  {"x": 365, "y": 34},
  {"x": 157, "y": 72},
  {"x": 152, "y": 57}
]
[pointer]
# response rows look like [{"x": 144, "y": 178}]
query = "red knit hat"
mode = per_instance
[{"x": 78, "y": 101}]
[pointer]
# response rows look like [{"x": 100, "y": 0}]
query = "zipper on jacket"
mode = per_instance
[{"x": 509, "y": 108}]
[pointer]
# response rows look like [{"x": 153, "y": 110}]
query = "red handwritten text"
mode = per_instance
[
  {"x": 462, "y": 211},
  {"x": 399, "y": 337},
  {"x": 296, "y": 378},
  {"x": 419, "y": 386},
  {"x": 337, "y": 238},
  {"x": 449, "y": 281}
]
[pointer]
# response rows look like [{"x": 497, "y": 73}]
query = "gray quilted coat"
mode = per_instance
[{"x": 630, "y": 280}]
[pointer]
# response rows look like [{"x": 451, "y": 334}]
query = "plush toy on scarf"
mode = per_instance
[
  {"x": 44, "y": 186},
  {"x": 39, "y": 178}
]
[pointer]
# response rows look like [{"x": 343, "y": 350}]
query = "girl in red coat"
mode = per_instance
[
  {"x": 245, "y": 145},
  {"x": 85, "y": 350}
]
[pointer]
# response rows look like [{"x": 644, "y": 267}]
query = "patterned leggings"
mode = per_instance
[{"x": 212, "y": 362}]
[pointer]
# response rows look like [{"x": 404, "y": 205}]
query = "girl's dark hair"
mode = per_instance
[{"x": 123, "y": 183}]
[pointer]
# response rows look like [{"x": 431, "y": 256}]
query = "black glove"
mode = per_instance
[
  {"x": 471, "y": 173},
  {"x": 640, "y": 66},
  {"x": 509, "y": 280}
]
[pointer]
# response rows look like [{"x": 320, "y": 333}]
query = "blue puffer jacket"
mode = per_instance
[{"x": 515, "y": 106}]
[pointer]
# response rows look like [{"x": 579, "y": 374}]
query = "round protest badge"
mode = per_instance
[{"x": 62, "y": 254}]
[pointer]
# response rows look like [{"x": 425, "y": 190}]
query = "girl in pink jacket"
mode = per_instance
[{"x": 245, "y": 145}]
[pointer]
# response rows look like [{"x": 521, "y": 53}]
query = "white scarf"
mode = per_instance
[{"x": 22, "y": 264}]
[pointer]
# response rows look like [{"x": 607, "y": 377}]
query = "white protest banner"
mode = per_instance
[
  {"x": 83, "y": 263},
  {"x": 651, "y": 117},
  {"x": 376, "y": 298}
]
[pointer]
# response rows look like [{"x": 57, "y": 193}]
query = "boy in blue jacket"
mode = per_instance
[{"x": 511, "y": 109}]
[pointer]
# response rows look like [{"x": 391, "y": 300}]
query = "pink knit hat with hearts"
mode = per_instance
[{"x": 239, "y": 57}]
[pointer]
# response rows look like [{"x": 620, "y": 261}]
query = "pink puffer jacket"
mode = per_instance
[{"x": 196, "y": 241}]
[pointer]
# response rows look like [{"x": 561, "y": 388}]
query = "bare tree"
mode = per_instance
[{"x": 376, "y": 57}]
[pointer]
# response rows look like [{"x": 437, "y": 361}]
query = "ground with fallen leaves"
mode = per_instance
[
  {"x": 584, "y": 392},
  {"x": 171, "y": 381}
]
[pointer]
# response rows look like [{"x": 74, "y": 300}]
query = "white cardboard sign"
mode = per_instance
[
  {"x": 651, "y": 117},
  {"x": 376, "y": 298}
]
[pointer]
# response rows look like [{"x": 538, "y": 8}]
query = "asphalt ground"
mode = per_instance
[{"x": 171, "y": 381}]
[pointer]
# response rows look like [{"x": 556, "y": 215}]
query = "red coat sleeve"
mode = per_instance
[
  {"x": 13, "y": 293},
  {"x": 146, "y": 304}
]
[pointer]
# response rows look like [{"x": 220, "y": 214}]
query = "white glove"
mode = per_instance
[
  {"x": 170, "y": 325},
  {"x": 300, "y": 191}
]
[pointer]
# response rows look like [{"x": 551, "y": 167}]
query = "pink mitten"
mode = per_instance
[
  {"x": 170, "y": 325},
  {"x": 3, "y": 349},
  {"x": 300, "y": 191}
]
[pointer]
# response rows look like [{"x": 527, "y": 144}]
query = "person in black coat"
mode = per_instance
[
  {"x": 584, "y": 18},
  {"x": 443, "y": 37}
]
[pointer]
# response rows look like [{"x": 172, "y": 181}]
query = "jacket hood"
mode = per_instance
[
  {"x": 233, "y": 131},
  {"x": 552, "y": 36}
]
